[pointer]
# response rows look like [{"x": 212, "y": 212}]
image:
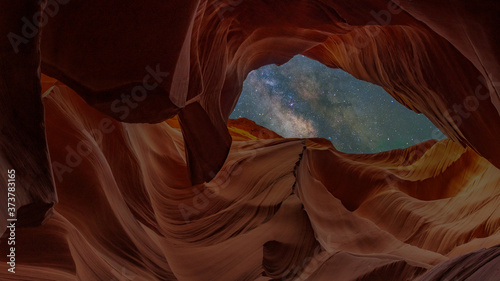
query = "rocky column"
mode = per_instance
[{"x": 23, "y": 145}]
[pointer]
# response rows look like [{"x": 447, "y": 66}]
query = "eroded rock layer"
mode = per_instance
[
  {"x": 192, "y": 58},
  {"x": 149, "y": 61},
  {"x": 280, "y": 209},
  {"x": 201, "y": 198}
]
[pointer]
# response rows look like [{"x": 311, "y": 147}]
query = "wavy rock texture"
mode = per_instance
[
  {"x": 189, "y": 58},
  {"x": 444, "y": 69},
  {"x": 128, "y": 211},
  {"x": 201, "y": 198}
]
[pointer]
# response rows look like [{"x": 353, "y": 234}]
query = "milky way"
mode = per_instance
[{"x": 304, "y": 98}]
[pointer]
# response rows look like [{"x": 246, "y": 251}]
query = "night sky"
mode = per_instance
[{"x": 304, "y": 98}]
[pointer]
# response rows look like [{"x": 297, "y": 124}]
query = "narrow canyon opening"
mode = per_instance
[{"x": 304, "y": 98}]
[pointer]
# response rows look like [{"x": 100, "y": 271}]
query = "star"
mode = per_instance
[{"x": 304, "y": 98}]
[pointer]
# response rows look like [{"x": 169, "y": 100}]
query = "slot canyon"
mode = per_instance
[{"x": 119, "y": 159}]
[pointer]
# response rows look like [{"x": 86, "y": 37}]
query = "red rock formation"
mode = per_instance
[
  {"x": 127, "y": 208},
  {"x": 23, "y": 146},
  {"x": 274, "y": 208}
]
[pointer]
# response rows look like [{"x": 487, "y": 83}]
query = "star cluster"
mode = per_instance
[{"x": 304, "y": 98}]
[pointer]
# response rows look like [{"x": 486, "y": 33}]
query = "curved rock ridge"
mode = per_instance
[
  {"x": 397, "y": 45},
  {"x": 279, "y": 209},
  {"x": 147, "y": 62},
  {"x": 204, "y": 198}
]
